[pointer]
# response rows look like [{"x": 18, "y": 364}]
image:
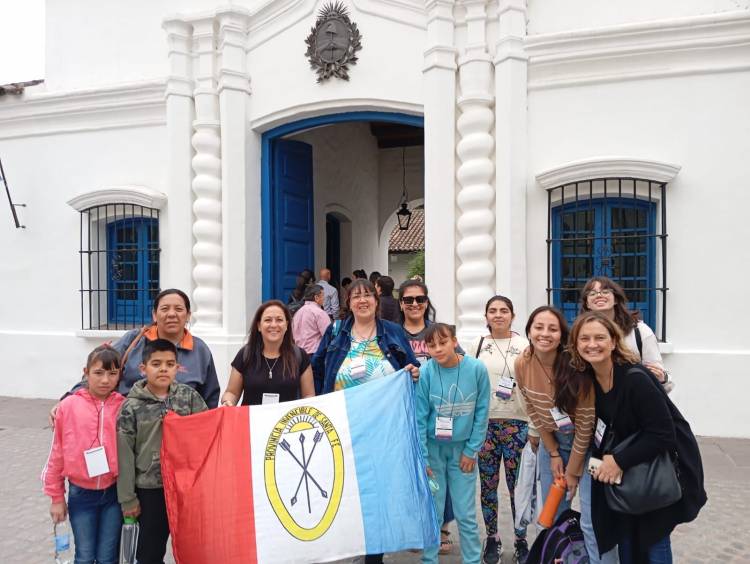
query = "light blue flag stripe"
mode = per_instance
[{"x": 397, "y": 507}]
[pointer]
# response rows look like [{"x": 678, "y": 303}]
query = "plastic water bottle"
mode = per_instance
[
  {"x": 63, "y": 552},
  {"x": 129, "y": 540}
]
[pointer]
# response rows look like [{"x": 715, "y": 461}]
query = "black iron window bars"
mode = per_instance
[
  {"x": 615, "y": 227},
  {"x": 119, "y": 259}
]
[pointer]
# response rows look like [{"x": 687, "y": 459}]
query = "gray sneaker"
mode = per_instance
[{"x": 493, "y": 550}]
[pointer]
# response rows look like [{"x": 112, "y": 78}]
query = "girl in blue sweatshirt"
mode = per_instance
[{"x": 453, "y": 395}]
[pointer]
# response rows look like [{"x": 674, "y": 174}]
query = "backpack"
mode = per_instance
[{"x": 560, "y": 544}]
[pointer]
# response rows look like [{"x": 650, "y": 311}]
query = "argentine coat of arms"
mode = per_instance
[{"x": 333, "y": 43}]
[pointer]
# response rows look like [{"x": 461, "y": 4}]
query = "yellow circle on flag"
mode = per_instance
[{"x": 300, "y": 419}]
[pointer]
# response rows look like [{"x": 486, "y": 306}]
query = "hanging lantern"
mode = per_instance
[
  {"x": 404, "y": 214},
  {"x": 404, "y": 217}
]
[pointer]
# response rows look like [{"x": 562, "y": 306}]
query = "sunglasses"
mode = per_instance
[{"x": 409, "y": 300}]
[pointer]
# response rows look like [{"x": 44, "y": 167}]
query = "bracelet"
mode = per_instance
[
  {"x": 227, "y": 403},
  {"x": 554, "y": 455}
]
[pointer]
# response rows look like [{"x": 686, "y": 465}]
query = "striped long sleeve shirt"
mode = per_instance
[{"x": 537, "y": 387}]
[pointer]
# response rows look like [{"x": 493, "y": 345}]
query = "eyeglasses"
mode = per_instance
[
  {"x": 362, "y": 296},
  {"x": 605, "y": 293},
  {"x": 409, "y": 300}
]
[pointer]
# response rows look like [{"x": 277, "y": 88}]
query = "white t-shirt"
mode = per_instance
[
  {"x": 499, "y": 356},
  {"x": 650, "y": 344}
]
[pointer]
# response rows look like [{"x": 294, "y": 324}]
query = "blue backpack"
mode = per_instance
[{"x": 560, "y": 544}]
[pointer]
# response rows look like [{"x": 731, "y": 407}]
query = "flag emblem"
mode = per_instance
[{"x": 304, "y": 472}]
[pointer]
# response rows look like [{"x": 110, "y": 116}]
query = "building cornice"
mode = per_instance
[
  {"x": 135, "y": 195},
  {"x": 607, "y": 167},
  {"x": 674, "y": 47},
  {"x": 137, "y": 104}
]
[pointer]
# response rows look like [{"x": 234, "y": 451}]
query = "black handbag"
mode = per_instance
[{"x": 645, "y": 487}]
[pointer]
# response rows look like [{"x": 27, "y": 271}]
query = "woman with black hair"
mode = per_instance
[
  {"x": 171, "y": 313},
  {"x": 560, "y": 405},
  {"x": 269, "y": 368}
]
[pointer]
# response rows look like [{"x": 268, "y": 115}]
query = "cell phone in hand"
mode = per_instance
[{"x": 594, "y": 463}]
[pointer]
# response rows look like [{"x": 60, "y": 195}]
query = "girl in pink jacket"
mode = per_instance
[{"x": 84, "y": 450}]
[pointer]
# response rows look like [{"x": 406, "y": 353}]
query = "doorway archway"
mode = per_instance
[{"x": 287, "y": 198}]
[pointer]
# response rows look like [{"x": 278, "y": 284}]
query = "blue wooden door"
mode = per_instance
[{"x": 292, "y": 204}]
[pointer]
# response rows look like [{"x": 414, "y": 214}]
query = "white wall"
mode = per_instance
[
  {"x": 548, "y": 16},
  {"x": 700, "y": 122},
  {"x": 345, "y": 175}
]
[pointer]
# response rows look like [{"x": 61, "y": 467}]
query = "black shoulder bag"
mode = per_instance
[{"x": 645, "y": 487}]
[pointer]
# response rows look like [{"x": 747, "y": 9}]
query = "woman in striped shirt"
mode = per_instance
[{"x": 560, "y": 405}]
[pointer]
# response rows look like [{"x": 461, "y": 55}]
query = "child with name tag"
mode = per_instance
[
  {"x": 508, "y": 423},
  {"x": 140, "y": 489},
  {"x": 452, "y": 400},
  {"x": 269, "y": 368},
  {"x": 560, "y": 404},
  {"x": 84, "y": 450}
]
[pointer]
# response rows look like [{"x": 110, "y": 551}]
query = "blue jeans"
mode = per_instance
[
  {"x": 565, "y": 444},
  {"x": 658, "y": 553},
  {"x": 95, "y": 518},
  {"x": 448, "y": 513}
]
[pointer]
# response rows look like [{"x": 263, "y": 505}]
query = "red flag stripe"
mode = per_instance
[{"x": 208, "y": 486}]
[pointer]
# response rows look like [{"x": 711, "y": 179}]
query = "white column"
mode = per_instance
[
  {"x": 510, "y": 153},
  {"x": 475, "y": 174},
  {"x": 207, "y": 225},
  {"x": 176, "y": 234},
  {"x": 439, "y": 75},
  {"x": 234, "y": 92}
]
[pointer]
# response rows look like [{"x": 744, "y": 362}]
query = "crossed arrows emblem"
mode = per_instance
[{"x": 306, "y": 476}]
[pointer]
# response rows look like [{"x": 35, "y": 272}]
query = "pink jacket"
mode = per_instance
[{"x": 81, "y": 423}]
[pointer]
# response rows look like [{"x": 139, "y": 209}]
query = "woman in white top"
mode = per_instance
[
  {"x": 508, "y": 423},
  {"x": 606, "y": 296}
]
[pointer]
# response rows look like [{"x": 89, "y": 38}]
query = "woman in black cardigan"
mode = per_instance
[{"x": 627, "y": 391}]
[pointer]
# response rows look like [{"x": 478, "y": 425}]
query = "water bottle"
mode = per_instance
[
  {"x": 554, "y": 497},
  {"x": 129, "y": 540},
  {"x": 63, "y": 552}
]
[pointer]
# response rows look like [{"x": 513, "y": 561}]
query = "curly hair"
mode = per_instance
[
  {"x": 626, "y": 320},
  {"x": 621, "y": 353}
]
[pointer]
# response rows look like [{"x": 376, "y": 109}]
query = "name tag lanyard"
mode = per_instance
[
  {"x": 506, "y": 368},
  {"x": 97, "y": 438}
]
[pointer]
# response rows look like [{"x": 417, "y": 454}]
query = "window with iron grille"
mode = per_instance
[
  {"x": 614, "y": 227},
  {"x": 119, "y": 250}
]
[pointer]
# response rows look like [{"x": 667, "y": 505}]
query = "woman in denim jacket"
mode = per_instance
[{"x": 361, "y": 347}]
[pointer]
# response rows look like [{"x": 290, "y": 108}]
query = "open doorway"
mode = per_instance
[{"x": 329, "y": 186}]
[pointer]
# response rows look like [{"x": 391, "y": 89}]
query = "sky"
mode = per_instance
[{"x": 21, "y": 40}]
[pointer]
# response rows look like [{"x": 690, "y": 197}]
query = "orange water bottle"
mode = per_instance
[{"x": 554, "y": 497}]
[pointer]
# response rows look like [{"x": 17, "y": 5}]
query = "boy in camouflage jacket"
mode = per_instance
[{"x": 140, "y": 489}]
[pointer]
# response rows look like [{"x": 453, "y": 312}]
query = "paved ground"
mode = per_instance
[{"x": 720, "y": 534}]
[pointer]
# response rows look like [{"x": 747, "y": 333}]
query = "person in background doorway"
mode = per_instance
[
  {"x": 374, "y": 275},
  {"x": 607, "y": 297},
  {"x": 310, "y": 323},
  {"x": 270, "y": 368},
  {"x": 508, "y": 424},
  {"x": 388, "y": 308},
  {"x": 359, "y": 274},
  {"x": 304, "y": 279},
  {"x": 330, "y": 294}
]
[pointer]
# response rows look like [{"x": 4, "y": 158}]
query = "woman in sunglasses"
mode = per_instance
[{"x": 607, "y": 297}]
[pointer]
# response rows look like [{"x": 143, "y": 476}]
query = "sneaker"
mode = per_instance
[
  {"x": 522, "y": 551},
  {"x": 493, "y": 550}
]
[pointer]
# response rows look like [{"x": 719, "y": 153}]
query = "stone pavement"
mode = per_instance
[{"x": 720, "y": 535}]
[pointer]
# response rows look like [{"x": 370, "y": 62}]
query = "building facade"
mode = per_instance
[{"x": 189, "y": 144}]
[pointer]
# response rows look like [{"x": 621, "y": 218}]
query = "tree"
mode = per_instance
[{"x": 416, "y": 266}]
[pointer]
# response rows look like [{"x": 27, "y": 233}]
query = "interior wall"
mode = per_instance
[{"x": 345, "y": 177}]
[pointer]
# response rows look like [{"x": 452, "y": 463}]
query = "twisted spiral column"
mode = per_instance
[
  {"x": 476, "y": 221},
  {"x": 207, "y": 227}
]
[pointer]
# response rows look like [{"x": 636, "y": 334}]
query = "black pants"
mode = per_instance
[
  {"x": 154, "y": 527},
  {"x": 374, "y": 559}
]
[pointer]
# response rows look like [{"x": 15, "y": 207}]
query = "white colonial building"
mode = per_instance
[{"x": 190, "y": 144}]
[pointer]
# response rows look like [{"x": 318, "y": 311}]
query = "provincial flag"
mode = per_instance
[{"x": 312, "y": 480}]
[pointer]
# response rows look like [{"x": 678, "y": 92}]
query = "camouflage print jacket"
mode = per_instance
[{"x": 139, "y": 429}]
